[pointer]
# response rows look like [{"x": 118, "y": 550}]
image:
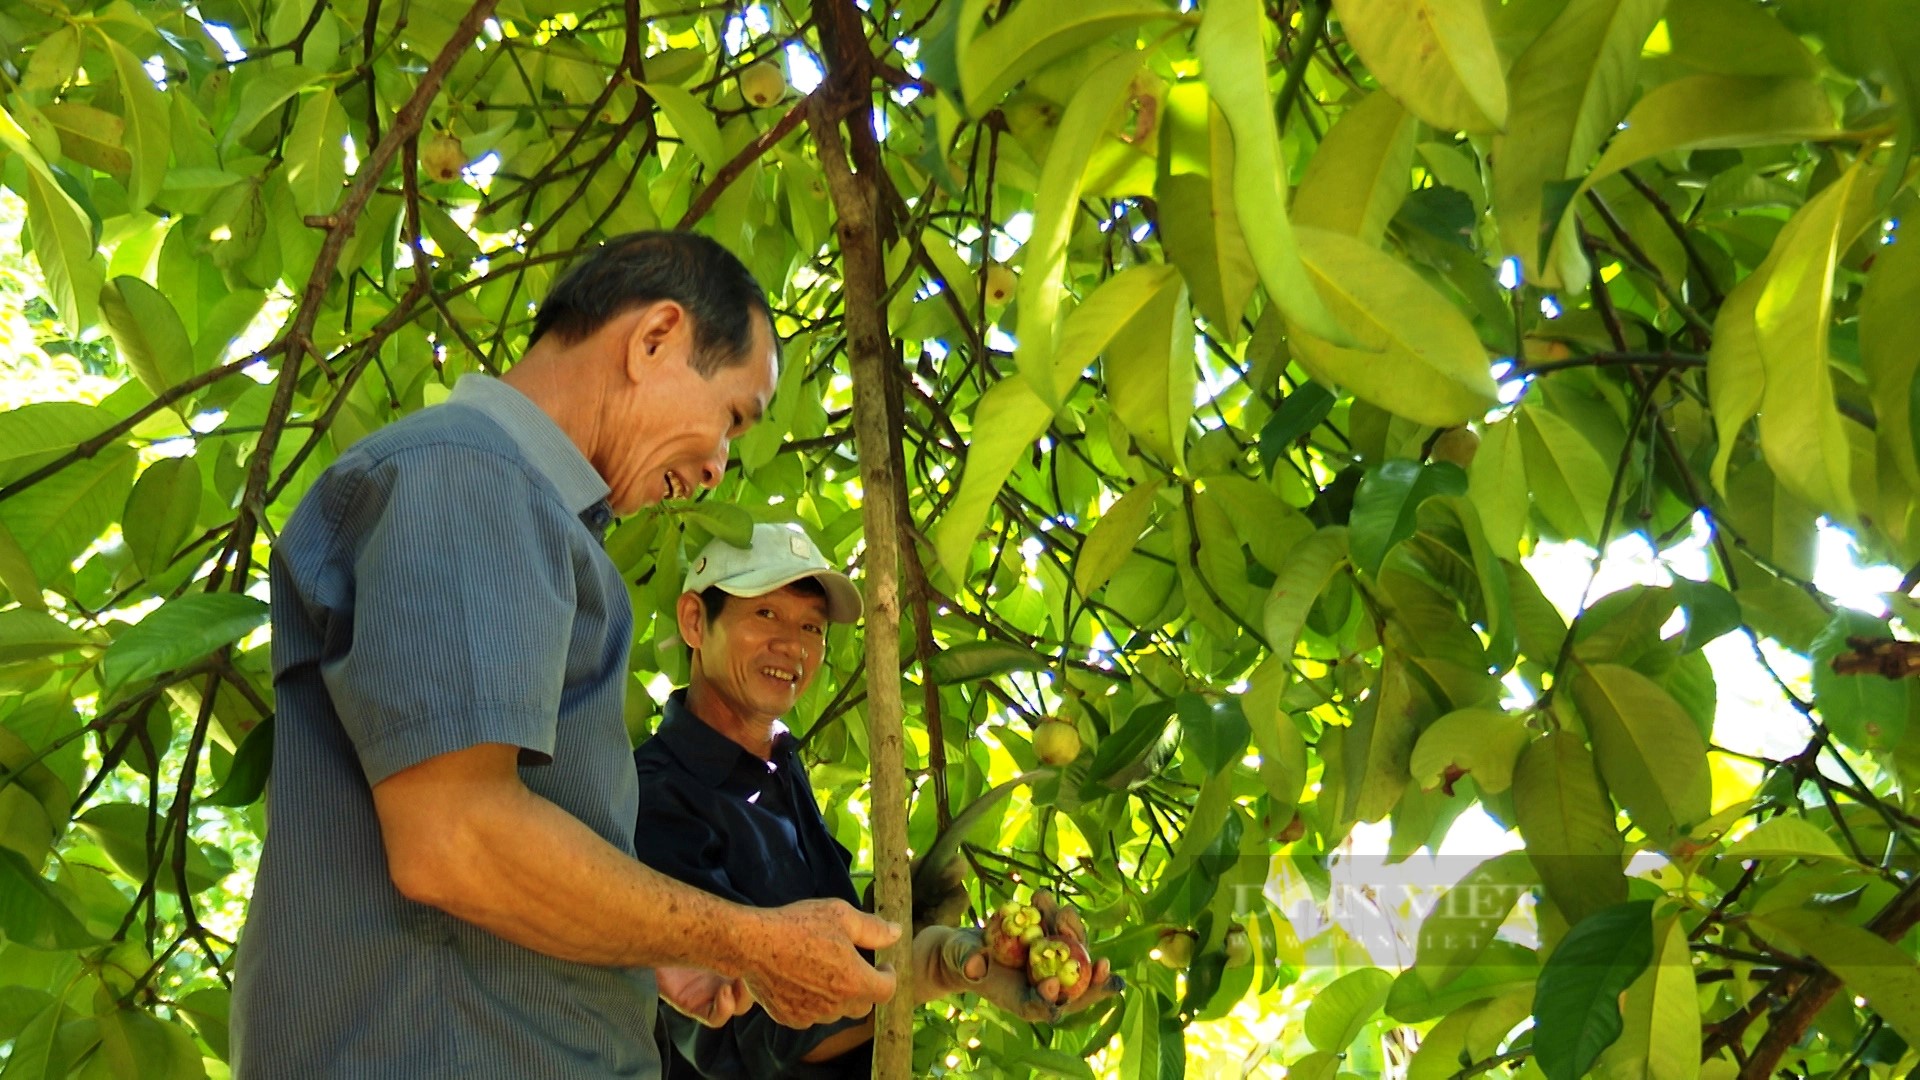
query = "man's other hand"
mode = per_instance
[
  {"x": 706, "y": 996},
  {"x": 805, "y": 967}
]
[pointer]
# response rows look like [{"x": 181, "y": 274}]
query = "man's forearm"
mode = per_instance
[
  {"x": 518, "y": 866},
  {"x": 463, "y": 834}
]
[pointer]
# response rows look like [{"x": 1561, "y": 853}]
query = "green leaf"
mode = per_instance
[
  {"x": 63, "y": 245},
  {"x": 1299, "y": 413},
  {"x": 121, "y": 831},
  {"x": 34, "y": 435},
  {"x": 60, "y": 517},
  {"x": 1567, "y": 821},
  {"x": 1140, "y": 1037},
  {"x": 1319, "y": 1065},
  {"x": 1267, "y": 526},
  {"x": 148, "y": 332},
  {"x": 26, "y": 633},
  {"x": 16, "y": 572},
  {"x": 1282, "y": 749},
  {"x": 177, "y": 633},
  {"x": 1482, "y": 743},
  {"x": 1344, "y": 1007},
  {"x": 1661, "y": 1014},
  {"x": 692, "y": 121},
  {"x": 90, "y": 136},
  {"x": 54, "y": 61},
  {"x": 1112, "y": 538},
  {"x": 1865, "y": 712},
  {"x": 1121, "y": 751},
  {"x": 722, "y": 521},
  {"x": 1733, "y": 37},
  {"x": 1232, "y": 54},
  {"x": 1567, "y": 476},
  {"x": 1496, "y": 601},
  {"x": 1704, "y": 112},
  {"x": 133, "y": 1043},
  {"x": 1199, "y": 228},
  {"x": 32, "y": 914},
  {"x": 1416, "y": 356},
  {"x": 978, "y": 660},
  {"x": 208, "y": 1010},
  {"x": 1465, "y": 917},
  {"x": 1712, "y": 612},
  {"x": 1569, "y": 91},
  {"x": 1101, "y": 323},
  {"x": 161, "y": 512},
  {"x": 1497, "y": 485},
  {"x": 1437, "y": 56},
  {"x": 264, "y": 92},
  {"x": 1471, "y": 1033},
  {"x": 1889, "y": 325},
  {"x": 316, "y": 158},
  {"x": 1800, "y": 427},
  {"x": 1150, "y": 374},
  {"x": 1034, "y": 34},
  {"x": 1386, "y": 507},
  {"x": 1055, "y": 206},
  {"x": 1007, "y": 420},
  {"x": 1310, "y": 568},
  {"x": 1736, "y": 372},
  {"x": 1380, "y": 740},
  {"x": 247, "y": 776},
  {"x": 1871, "y": 967},
  {"x": 149, "y": 124},
  {"x": 35, "y": 1054},
  {"x": 1045, "y": 1062},
  {"x": 1362, "y": 172},
  {"x": 1216, "y": 731},
  {"x": 1650, "y": 752},
  {"x": 1504, "y": 968},
  {"x": 1787, "y": 837},
  {"x": 1577, "y": 1009}
]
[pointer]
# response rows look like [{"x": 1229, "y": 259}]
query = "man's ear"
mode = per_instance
[
  {"x": 661, "y": 331},
  {"x": 691, "y": 614}
]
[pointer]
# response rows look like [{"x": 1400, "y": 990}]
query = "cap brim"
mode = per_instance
[{"x": 843, "y": 600}]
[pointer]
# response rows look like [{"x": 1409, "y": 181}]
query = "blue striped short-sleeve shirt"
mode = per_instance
[{"x": 440, "y": 587}]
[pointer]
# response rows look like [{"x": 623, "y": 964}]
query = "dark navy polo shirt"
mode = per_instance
[
  {"x": 719, "y": 818},
  {"x": 442, "y": 585}
]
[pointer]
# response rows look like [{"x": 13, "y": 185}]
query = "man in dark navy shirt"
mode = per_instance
[{"x": 726, "y": 806}]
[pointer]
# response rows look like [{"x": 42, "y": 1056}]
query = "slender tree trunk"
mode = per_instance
[{"x": 856, "y": 204}]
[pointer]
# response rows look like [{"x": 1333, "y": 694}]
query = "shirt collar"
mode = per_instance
[
  {"x": 711, "y": 757},
  {"x": 546, "y": 446}
]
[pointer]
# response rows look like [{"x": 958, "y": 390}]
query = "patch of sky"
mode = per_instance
[
  {"x": 222, "y": 36},
  {"x": 480, "y": 172},
  {"x": 803, "y": 72}
]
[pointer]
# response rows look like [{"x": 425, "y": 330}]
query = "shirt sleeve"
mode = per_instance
[
  {"x": 682, "y": 844},
  {"x": 463, "y": 604}
]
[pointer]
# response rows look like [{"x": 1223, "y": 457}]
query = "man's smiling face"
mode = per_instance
[
  {"x": 684, "y": 422},
  {"x": 760, "y": 653}
]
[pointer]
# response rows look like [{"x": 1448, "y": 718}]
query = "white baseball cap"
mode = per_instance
[{"x": 780, "y": 555}]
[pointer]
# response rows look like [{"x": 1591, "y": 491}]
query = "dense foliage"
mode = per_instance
[{"x": 1239, "y": 355}]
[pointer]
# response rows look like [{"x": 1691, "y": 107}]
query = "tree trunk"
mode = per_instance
[{"x": 855, "y": 196}]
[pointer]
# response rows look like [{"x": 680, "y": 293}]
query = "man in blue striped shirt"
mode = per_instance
[{"x": 448, "y": 887}]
